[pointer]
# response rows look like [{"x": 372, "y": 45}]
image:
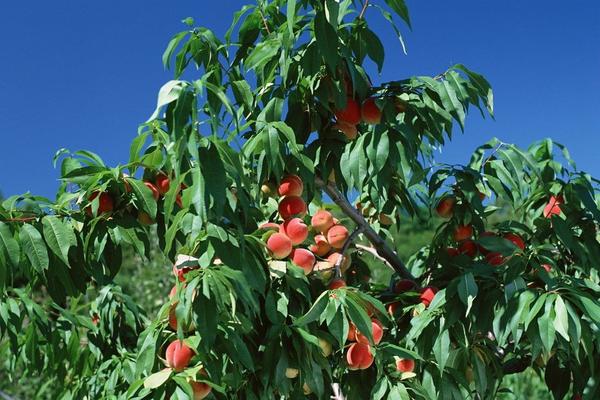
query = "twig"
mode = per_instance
[
  {"x": 347, "y": 243},
  {"x": 22, "y": 219},
  {"x": 383, "y": 249},
  {"x": 364, "y": 9},
  {"x": 264, "y": 20}
]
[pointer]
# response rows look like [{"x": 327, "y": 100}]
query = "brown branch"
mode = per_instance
[
  {"x": 383, "y": 249},
  {"x": 264, "y": 20},
  {"x": 22, "y": 219},
  {"x": 364, "y": 9}
]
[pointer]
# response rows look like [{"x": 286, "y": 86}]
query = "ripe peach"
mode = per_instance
[
  {"x": 200, "y": 389},
  {"x": 178, "y": 355},
  {"x": 153, "y": 189},
  {"x": 404, "y": 285},
  {"x": 322, "y": 221},
  {"x": 359, "y": 356},
  {"x": 173, "y": 292},
  {"x": 337, "y": 283},
  {"x": 334, "y": 257},
  {"x": 393, "y": 307},
  {"x": 553, "y": 206},
  {"x": 468, "y": 247},
  {"x": 105, "y": 203},
  {"x": 184, "y": 264},
  {"x": 427, "y": 295},
  {"x": 162, "y": 183},
  {"x": 452, "y": 252},
  {"x": 351, "y": 332},
  {"x": 321, "y": 246},
  {"x": 445, "y": 207},
  {"x": 296, "y": 230},
  {"x": 337, "y": 235},
  {"x": 279, "y": 245},
  {"x": 377, "y": 332},
  {"x": 350, "y": 114},
  {"x": 303, "y": 258},
  {"x": 463, "y": 232},
  {"x": 271, "y": 226},
  {"x": 349, "y": 130},
  {"x": 547, "y": 267},
  {"x": 291, "y": 185},
  {"x": 173, "y": 317},
  {"x": 371, "y": 114},
  {"x": 405, "y": 365},
  {"x": 495, "y": 258},
  {"x": 144, "y": 218},
  {"x": 292, "y": 206},
  {"x": 516, "y": 239}
]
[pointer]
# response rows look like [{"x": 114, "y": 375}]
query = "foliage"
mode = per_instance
[{"x": 243, "y": 113}]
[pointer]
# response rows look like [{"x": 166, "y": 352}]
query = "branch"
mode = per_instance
[
  {"x": 383, "y": 249},
  {"x": 340, "y": 260},
  {"x": 264, "y": 20},
  {"x": 364, "y": 9}
]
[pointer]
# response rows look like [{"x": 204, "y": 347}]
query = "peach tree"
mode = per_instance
[{"x": 274, "y": 174}]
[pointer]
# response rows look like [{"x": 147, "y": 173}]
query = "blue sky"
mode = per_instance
[{"x": 83, "y": 75}]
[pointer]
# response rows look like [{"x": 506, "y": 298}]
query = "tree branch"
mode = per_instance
[
  {"x": 364, "y": 8},
  {"x": 383, "y": 250},
  {"x": 347, "y": 243}
]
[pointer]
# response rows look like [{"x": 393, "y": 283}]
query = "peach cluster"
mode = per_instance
[
  {"x": 359, "y": 354},
  {"x": 353, "y": 113},
  {"x": 468, "y": 247}
]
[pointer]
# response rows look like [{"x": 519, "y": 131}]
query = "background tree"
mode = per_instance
[{"x": 276, "y": 128}]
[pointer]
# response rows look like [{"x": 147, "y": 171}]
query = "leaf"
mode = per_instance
[
  {"x": 561, "y": 322},
  {"x": 143, "y": 195},
  {"x": 263, "y": 53},
  {"x": 158, "y": 378},
  {"x": 467, "y": 290},
  {"x": 59, "y": 236},
  {"x": 441, "y": 349},
  {"x": 327, "y": 40},
  {"x": 315, "y": 311},
  {"x": 168, "y": 93},
  {"x": 400, "y": 8},
  {"x": 9, "y": 245},
  {"x": 34, "y": 247}
]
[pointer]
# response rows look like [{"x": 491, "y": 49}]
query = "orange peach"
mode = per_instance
[
  {"x": 321, "y": 246},
  {"x": 333, "y": 259},
  {"x": 405, "y": 365},
  {"x": 376, "y": 331},
  {"x": 349, "y": 130},
  {"x": 200, "y": 389},
  {"x": 296, "y": 230},
  {"x": 322, "y": 221},
  {"x": 553, "y": 206},
  {"x": 337, "y": 235},
  {"x": 359, "y": 356},
  {"x": 291, "y": 185},
  {"x": 371, "y": 114},
  {"x": 463, "y": 232},
  {"x": 303, "y": 258},
  {"x": 279, "y": 245},
  {"x": 178, "y": 355},
  {"x": 445, "y": 207},
  {"x": 292, "y": 206}
]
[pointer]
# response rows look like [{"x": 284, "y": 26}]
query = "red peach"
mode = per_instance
[
  {"x": 173, "y": 317},
  {"x": 173, "y": 292},
  {"x": 296, "y": 230},
  {"x": 105, "y": 203},
  {"x": 445, "y": 207},
  {"x": 163, "y": 183},
  {"x": 371, "y": 114},
  {"x": 279, "y": 245},
  {"x": 359, "y": 356},
  {"x": 547, "y": 267},
  {"x": 349, "y": 130},
  {"x": 334, "y": 257},
  {"x": 405, "y": 365},
  {"x": 350, "y": 114},
  {"x": 427, "y": 295},
  {"x": 303, "y": 258},
  {"x": 153, "y": 189},
  {"x": 337, "y": 235},
  {"x": 495, "y": 258},
  {"x": 393, "y": 307},
  {"x": 404, "y": 285},
  {"x": 337, "y": 283},
  {"x": 516, "y": 239},
  {"x": 178, "y": 355},
  {"x": 553, "y": 206},
  {"x": 200, "y": 389},
  {"x": 321, "y": 246},
  {"x": 271, "y": 226},
  {"x": 292, "y": 206},
  {"x": 377, "y": 332},
  {"x": 322, "y": 221},
  {"x": 351, "y": 332},
  {"x": 463, "y": 232},
  {"x": 468, "y": 247},
  {"x": 144, "y": 218},
  {"x": 452, "y": 252},
  {"x": 291, "y": 185}
]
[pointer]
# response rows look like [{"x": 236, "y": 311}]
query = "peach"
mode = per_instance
[
  {"x": 463, "y": 232},
  {"x": 153, "y": 189},
  {"x": 495, "y": 258},
  {"x": 427, "y": 295},
  {"x": 178, "y": 355},
  {"x": 173, "y": 292},
  {"x": 291, "y": 373},
  {"x": 468, "y": 247},
  {"x": 376, "y": 331},
  {"x": 144, "y": 218},
  {"x": 337, "y": 283},
  {"x": 162, "y": 183},
  {"x": 337, "y": 235},
  {"x": 325, "y": 346},
  {"x": 105, "y": 203},
  {"x": 350, "y": 114},
  {"x": 371, "y": 114},
  {"x": 553, "y": 206},
  {"x": 292, "y": 206},
  {"x": 303, "y": 258},
  {"x": 95, "y": 319},
  {"x": 296, "y": 230},
  {"x": 184, "y": 264},
  {"x": 321, "y": 246},
  {"x": 291, "y": 185},
  {"x": 547, "y": 267},
  {"x": 349, "y": 130},
  {"x": 200, "y": 389},
  {"x": 405, "y": 364},
  {"x": 404, "y": 285},
  {"x": 179, "y": 201},
  {"x": 516, "y": 240},
  {"x": 271, "y": 226},
  {"x": 393, "y": 307},
  {"x": 321, "y": 221},
  {"x": 334, "y": 257},
  {"x": 445, "y": 207},
  {"x": 279, "y": 245},
  {"x": 173, "y": 317},
  {"x": 351, "y": 332},
  {"x": 452, "y": 252},
  {"x": 268, "y": 188},
  {"x": 359, "y": 356}
]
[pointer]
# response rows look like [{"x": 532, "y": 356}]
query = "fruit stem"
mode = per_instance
[{"x": 382, "y": 248}]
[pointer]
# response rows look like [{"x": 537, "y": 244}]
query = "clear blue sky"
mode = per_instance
[{"x": 84, "y": 74}]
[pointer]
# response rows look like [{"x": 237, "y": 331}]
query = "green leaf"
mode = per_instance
[
  {"x": 263, "y": 53},
  {"x": 400, "y": 8},
  {"x": 168, "y": 93},
  {"x": 315, "y": 310},
  {"x": 327, "y": 40},
  {"x": 561, "y": 322},
  {"x": 358, "y": 315},
  {"x": 158, "y": 378},
  {"x": 467, "y": 290},
  {"x": 9, "y": 245},
  {"x": 441, "y": 349},
  {"x": 143, "y": 195},
  {"x": 59, "y": 236},
  {"x": 34, "y": 247}
]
